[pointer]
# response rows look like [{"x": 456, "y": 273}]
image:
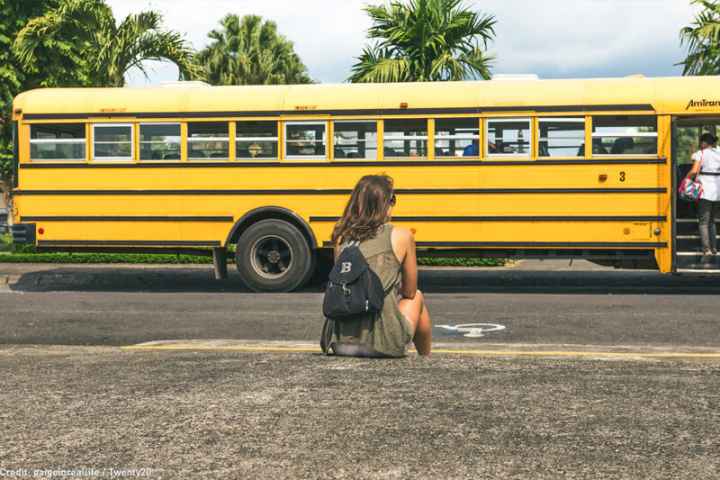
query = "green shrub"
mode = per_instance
[
  {"x": 27, "y": 254},
  {"x": 461, "y": 262}
]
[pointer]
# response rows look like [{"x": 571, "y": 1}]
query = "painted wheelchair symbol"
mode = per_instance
[{"x": 473, "y": 330}]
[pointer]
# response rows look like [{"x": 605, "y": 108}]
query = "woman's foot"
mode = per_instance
[{"x": 707, "y": 258}]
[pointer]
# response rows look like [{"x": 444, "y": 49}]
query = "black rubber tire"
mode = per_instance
[
  {"x": 301, "y": 264},
  {"x": 324, "y": 262}
]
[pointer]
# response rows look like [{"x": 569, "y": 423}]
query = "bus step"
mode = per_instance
[
  {"x": 685, "y": 229},
  {"x": 691, "y": 220},
  {"x": 692, "y": 270},
  {"x": 691, "y": 237},
  {"x": 695, "y": 261},
  {"x": 688, "y": 245}
]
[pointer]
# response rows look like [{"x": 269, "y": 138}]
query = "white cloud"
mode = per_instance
[{"x": 554, "y": 38}]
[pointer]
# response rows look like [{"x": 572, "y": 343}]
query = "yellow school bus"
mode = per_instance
[{"x": 503, "y": 168}]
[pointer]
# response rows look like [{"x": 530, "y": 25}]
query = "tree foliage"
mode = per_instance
[
  {"x": 101, "y": 51},
  {"x": 249, "y": 51},
  {"x": 14, "y": 14},
  {"x": 702, "y": 38},
  {"x": 425, "y": 40},
  {"x": 69, "y": 43}
]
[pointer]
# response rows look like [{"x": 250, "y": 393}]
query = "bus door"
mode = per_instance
[{"x": 687, "y": 247}]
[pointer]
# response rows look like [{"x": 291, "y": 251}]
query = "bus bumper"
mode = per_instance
[{"x": 23, "y": 233}]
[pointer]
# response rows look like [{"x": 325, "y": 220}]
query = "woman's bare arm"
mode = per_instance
[
  {"x": 403, "y": 243},
  {"x": 694, "y": 170}
]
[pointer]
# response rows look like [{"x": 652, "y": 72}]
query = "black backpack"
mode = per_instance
[{"x": 353, "y": 290}]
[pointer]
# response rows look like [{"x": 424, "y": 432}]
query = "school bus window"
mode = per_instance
[
  {"x": 113, "y": 142},
  {"x": 509, "y": 137},
  {"x": 405, "y": 138},
  {"x": 562, "y": 137},
  {"x": 257, "y": 140},
  {"x": 624, "y": 135},
  {"x": 355, "y": 139},
  {"x": 208, "y": 140},
  {"x": 457, "y": 137},
  {"x": 160, "y": 141},
  {"x": 306, "y": 140},
  {"x": 64, "y": 141}
]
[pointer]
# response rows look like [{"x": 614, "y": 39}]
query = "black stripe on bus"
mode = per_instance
[
  {"x": 354, "y": 163},
  {"x": 342, "y": 112},
  {"x": 536, "y": 244},
  {"x": 140, "y": 243},
  {"x": 515, "y": 219},
  {"x": 400, "y": 191},
  {"x": 124, "y": 219}
]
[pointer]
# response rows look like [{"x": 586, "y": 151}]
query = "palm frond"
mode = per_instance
[
  {"x": 425, "y": 40},
  {"x": 249, "y": 51},
  {"x": 84, "y": 33},
  {"x": 702, "y": 39}
]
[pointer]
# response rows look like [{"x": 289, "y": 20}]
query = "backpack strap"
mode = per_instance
[
  {"x": 327, "y": 343},
  {"x": 702, "y": 161}
]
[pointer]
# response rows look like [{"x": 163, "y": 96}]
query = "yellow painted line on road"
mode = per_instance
[
  {"x": 585, "y": 354},
  {"x": 225, "y": 348},
  {"x": 446, "y": 351}
]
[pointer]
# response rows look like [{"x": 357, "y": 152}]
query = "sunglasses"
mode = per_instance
[{"x": 393, "y": 200}]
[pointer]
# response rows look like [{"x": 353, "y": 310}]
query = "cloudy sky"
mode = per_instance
[{"x": 551, "y": 38}]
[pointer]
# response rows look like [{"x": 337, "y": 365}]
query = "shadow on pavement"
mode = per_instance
[{"x": 159, "y": 279}]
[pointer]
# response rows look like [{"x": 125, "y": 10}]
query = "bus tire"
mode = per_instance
[
  {"x": 324, "y": 262},
  {"x": 273, "y": 256}
]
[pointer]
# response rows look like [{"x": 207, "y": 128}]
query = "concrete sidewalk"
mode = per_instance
[{"x": 232, "y": 415}]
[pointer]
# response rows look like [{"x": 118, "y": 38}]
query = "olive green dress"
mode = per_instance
[{"x": 388, "y": 332}]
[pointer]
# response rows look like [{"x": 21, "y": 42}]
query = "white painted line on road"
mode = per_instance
[{"x": 473, "y": 330}]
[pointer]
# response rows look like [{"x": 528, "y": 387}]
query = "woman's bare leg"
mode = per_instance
[{"x": 417, "y": 314}]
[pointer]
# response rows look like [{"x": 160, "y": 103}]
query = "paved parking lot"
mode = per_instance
[{"x": 598, "y": 374}]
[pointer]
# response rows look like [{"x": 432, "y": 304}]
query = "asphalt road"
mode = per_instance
[
  {"x": 120, "y": 305},
  {"x": 538, "y": 400}
]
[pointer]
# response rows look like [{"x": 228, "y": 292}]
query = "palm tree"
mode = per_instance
[
  {"x": 249, "y": 51},
  {"x": 425, "y": 40},
  {"x": 84, "y": 34},
  {"x": 702, "y": 38}
]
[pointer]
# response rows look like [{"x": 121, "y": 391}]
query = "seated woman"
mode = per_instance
[{"x": 390, "y": 253}]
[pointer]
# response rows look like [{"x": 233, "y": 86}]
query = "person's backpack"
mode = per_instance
[
  {"x": 353, "y": 290},
  {"x": 691, "y": 190}
]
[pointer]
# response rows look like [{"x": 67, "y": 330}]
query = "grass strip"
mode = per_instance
[{"x": 132, "y": 258}]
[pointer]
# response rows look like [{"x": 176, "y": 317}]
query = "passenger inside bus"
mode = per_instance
[
  {"x": 622, "y": 145},
  {"x": 472, "y": 150},
  {"x": 598, "y": 148}
]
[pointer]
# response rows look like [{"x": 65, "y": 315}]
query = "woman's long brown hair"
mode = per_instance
[{"x": 366, "y": 210}]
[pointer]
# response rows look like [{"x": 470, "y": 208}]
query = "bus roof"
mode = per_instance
[{"x": 671, "y": 95}]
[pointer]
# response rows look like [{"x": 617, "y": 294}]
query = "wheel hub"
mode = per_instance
[{"x": 273, "y": 256}]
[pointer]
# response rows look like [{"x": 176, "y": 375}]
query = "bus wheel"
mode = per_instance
[{"x": 273, "y": 256}]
